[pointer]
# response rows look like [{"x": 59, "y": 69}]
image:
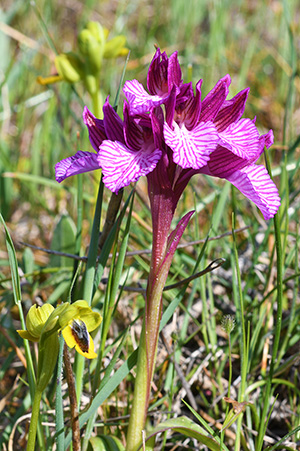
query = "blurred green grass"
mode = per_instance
[{"x": 257, "y": 43}]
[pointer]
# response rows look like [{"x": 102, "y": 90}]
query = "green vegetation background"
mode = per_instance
[{"x": 258, "y": 43}]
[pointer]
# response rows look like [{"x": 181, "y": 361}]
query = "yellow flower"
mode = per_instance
[
  {"x": 74, "y": 320},
  {"x": 35, "y": 321},
  {"x": 86, "y": 63},
  {"x": 76, "y": 327}
]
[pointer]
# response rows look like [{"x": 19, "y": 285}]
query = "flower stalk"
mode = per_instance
[
  {"x": 162, "y": 254},
  {"x": 34, "y": 420}
]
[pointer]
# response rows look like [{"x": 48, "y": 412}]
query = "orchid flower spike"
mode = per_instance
[{"x": 189, "y": 136}]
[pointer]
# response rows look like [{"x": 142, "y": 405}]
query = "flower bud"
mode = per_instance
[
  {"x": 69, "y": 66},
  {"x": 92, "y": 50},
  {"x": 99, "y": 33},
  {"x": 115, "y": 47}
]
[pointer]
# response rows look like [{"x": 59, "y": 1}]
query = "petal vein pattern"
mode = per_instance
[
  {"x": 191, "y": 148},
  {"x": 121, "y": 165},
  {"x": 255, "y": 183},
  {"x": 139, "y": 99},
  {"x": 242, "y": 138},
  {"x": 76, "y": 164}
]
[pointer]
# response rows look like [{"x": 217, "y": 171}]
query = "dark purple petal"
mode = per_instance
[
  {"x": 192, "y": 108},
  {"x": 133, "y": 129},
  {"x": 170, "y": 106},
  {"x": 231, "y": 110},
  {"x": 157, "y": 76},
  {"x": 95, "y": 127},
  {"x": 191, "y": 148},
  {"x": 242, "y": 139},
  {"x": 174, "y": 72},
  {"x": 255, "y": 183},
  {"x": 121, "y": 165},
  {"x": 139, "y": 100},
  {"x": 157, "y": 121},
  {"x": 77, "y": 164},
  {"x": 112, "y": 123},
  {"x": 269, "y": 138},
  {"x": 215, "y": 99},
  {"x": 223, "y": 163}
]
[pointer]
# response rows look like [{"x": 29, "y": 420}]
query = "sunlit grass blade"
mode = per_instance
[{"x": 59, "y": 417}]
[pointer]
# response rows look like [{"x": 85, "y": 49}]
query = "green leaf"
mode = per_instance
[
  {"x": 106, "y": 443},
  {"x": 187, "y": 427}
]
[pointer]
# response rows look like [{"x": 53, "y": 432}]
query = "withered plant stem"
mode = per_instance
[{"x": 73, "y": 400}]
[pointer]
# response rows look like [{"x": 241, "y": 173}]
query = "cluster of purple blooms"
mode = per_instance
[{"x": 170, "y": 134}]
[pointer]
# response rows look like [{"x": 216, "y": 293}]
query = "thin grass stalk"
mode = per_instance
[
  {"x": 242, "y": 335},
  {"x": 292, "y": 315},
  {"x": 89, "y": 281},
  {"x": 79, "y": 220},
  {"x": 287, "y": 116},
  {"x": 278, "y": 321},
  {"x": 59, "y": 411}
]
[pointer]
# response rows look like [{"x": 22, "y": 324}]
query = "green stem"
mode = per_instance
[
  {"x": 34, "y": 420},
  {"x": 278, "y": 322},
  {"x": 163, "y": 250},
  {"x": 97, "y": 104},
  {"x": 140, "y": 399},
  {"x": 146, "y": 359}
]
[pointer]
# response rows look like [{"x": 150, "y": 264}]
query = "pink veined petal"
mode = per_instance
[
  {"x": 242, "y": 139},
  {"x": 121, "y": 165},
  {"x": 139, "y": 99},
  {"x": 77, "y": 164},
  {"x": 191, "y": 148},
  {"x": 255, "y": 183}
]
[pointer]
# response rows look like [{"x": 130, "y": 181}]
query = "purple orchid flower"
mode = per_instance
[{"x": 196, "y": 136}]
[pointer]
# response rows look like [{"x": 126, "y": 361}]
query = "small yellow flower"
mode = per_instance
[
  {"x": 74, "y": 320},
  {"x": 35, "y": 321},
  {"x": 76, "y": 328}
]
